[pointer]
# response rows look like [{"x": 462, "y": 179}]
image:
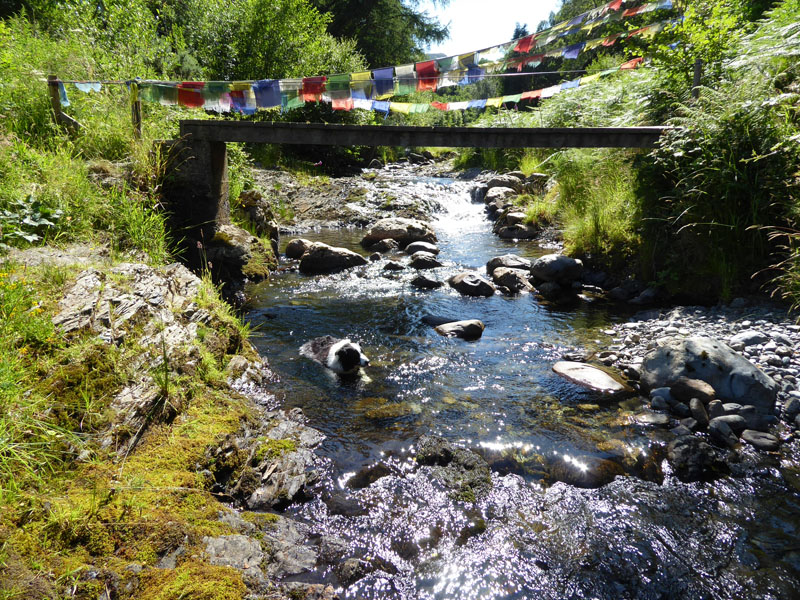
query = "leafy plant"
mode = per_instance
[{"x": 27, "y": 220}]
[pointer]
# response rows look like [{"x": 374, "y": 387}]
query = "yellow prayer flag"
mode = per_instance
[
  {"x": 494, "y": 101},
  {"x": 400, "y": 107}
]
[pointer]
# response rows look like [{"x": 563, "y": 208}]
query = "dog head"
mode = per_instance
[{"x": 347, "y": 357}]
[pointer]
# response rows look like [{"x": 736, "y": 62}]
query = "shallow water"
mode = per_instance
[{"x": 636, "y": 537}]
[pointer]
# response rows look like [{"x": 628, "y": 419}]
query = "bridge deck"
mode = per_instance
[{"x": 451, "y": 137}]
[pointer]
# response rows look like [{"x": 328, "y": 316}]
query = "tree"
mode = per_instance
[{"x": 386, "y": 32}]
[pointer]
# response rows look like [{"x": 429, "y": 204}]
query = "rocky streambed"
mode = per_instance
[{"x": 459, "y": 465}]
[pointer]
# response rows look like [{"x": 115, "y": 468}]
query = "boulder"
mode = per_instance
[
  {"x": 504, "y": 181},
  {"x": 404, "y": 231},
  {"x": 721, "y": 432},
  {"x": 236, "y": 253},
  {"x": 557, "y": 268},
  {"x": 510, "y": 261},
  {"x": 732, "y": 376},
  {"x": 499, "y": 193},
  {"x": 749, "y": 337},
  {"x": 297, "y": 247},
  {"x": 590, "y": 377},
  {"x": 237, "y": 551},
  {"x": 393, "y": 266},
  {"x": 478, "y": 193},
  {"x": 384, "y": 246},
  {"x": 553, "y": 292},
  {"x": 469, "y": 330},
  {"x": 514, "y": 218},
  {"x": 761, "y": 440},
  {"x": 518, "y": 232},
  {"x": 424, "y": 260},
  {"x": 422, "y": 247},
  {"x": 471, "y": 284},
  {"x": 691, "y": 458},
  {"x": 426, "y": 283},
  {"x": 514, "y": 279},
  {"x": 684, "y": 389},
  {"x": 321, "y": 258}
]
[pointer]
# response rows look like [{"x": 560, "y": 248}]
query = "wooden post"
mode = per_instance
[
  {"x": 55, "y": 97},
  {"x": 136, "y": 111},
  {"x": 698, "y": 72}
]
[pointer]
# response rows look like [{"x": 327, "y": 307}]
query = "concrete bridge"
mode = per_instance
[{"x": 196, "y": 187}]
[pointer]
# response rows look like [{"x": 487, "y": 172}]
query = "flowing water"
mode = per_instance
[{"x": 644, "y": 535}]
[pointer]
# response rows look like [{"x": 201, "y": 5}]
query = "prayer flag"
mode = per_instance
[
  {"x": 384, "y": 82},
  {"x": 574, "y": 50},
  {"x": 439, "y": 105},
  {"x": 342, "y": 103},
  {"x": 89, "y": 86},
  {"x": 467, "y": 60},
  {"x": 610, "y": 40},
  {"x": 400, "y": 107},
  {"x": 190, "y": 94},
  {"x": 474, "y": 74},
  {"x": 450, "y": 78},
  {"x": 633, "y": 11},
  {"x": 476, "y": 104},
  {"x": 565, "y": 85},
  {"x": 557, "y": 53},
  {"x": 577, "y": 20},
  {"x": 242, "y": 98},
  {"x": 551, "y": 91},
  {"x": 290, "y": 93},
  {"x": 592, "y": 44},
  {"x": 267, "y": 93},
  {"x": 62, "y": 94},
  {"x": 532, "y": 61},
  {"x": 590, "y": 78},
  {"x": 532, "y": 95},
  {"x": 361, "y": 85},
  {"x": 494, "y": 101},
  {"x": 449, "y": 63},
  {"x": 665, "y": 4},
  {"x": 380, "y": 106},
  {"x": 406, "y": 79},
  {"x": 524, "y": 45},
  {"x": 428, "y": 76},
  {"x": 362, "y": 103},
  {"x": 313, "y": 88},
  {"x": 614, "y": 5},
  {"x": 632, "y": 64},
  {"x": 457, "y": 105},
  {"x": 420, "y": 108},
  {"x": 512, "y": 98},
  {"x": 216, "y": 96}
]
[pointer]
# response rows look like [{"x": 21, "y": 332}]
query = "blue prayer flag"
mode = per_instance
[
  {"x": 477, "y": 103},
  {"x": 267, "y": 93},
  {"x": 573, "y": 51}
]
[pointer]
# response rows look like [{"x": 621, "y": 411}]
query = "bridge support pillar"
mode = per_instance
[{"x": 195, "y": 188}]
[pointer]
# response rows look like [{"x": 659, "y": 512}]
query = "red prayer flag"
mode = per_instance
[
  {"x": 633, "y": 11},
  {"x": 536, "y": 58},
  {"x": 525, "y": 44},
  {"x": 531, "y": 95},
  {"x": 632, "y": 64},
  {"x": 610, "y": 40},
  {"x": 312, "y": 88},
  {"x": 190, "y": 94},
  {"x": 428, "y": 76},
  {"x": 439, "y": 105},
  {"x": 342, "y": 104},
  {"x": 615, "y": 5}
]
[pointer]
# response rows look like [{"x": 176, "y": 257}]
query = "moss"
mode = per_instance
[
  {"x": 261, "y": 262},
  {"x": 260, "y": 520},
  {"x": 273, "y": 449},
  {"x": 193, "y": 581}
]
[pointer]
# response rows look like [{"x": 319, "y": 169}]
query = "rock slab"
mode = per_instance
[{"x": 589, "y": 377}]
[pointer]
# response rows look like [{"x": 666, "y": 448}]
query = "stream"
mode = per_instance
[{"x": 644, "y": 535}]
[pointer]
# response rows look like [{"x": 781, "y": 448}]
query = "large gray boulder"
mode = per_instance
[
  {"x": 504, "y": 181},
  {"x": 471, "y": 284},
  {"x": 518, "y": 231},
  {"x": 557, "y": 268},
  {"x": 510, "y": 261},
  {"x": 404, "y": 231},
  {"x": 733, "y": 377},
  {"x": 321, "y": 258}
]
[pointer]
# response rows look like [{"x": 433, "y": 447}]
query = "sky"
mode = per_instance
[{"x": 477, "y": 24}]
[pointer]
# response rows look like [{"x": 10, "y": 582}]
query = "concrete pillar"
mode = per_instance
[{"x": 195, "y": 188}]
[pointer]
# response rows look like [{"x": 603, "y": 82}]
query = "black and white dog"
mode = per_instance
[{"x": 340, "y": 356}]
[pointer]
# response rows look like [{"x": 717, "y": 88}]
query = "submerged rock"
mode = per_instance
[
  {"x": 403, "y": 231},
  {"x": 466, "y": 330},
  {"x": 471, "y": 284},
  {"x": 692, "y": 459},
  {"x": 461, "y": 470},
  {"x": 426, "y": 283},
  {"x": 322, "y": 259},
  {"x": 584, "y": 471},
  {"x": 732, "y": 376},
  {"x": 590, "y": 377}
]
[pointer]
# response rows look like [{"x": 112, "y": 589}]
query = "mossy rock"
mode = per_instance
[{"x": 193, "y": 580}]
